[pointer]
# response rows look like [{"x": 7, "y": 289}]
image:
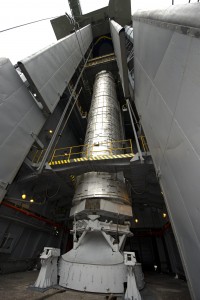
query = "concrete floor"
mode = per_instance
[
  {"x": 158, "y": 287},
  {"x": 164, "y": 287}
]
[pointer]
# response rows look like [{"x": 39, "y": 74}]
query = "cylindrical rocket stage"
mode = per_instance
[
  {"x": 100, "y": 205},
  {"x": 97, "y": 192}
]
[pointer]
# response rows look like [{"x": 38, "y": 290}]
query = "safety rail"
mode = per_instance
[
  {"x": 144, "y": 143},
  {"x": 87, "y": 150},
  {"x": 78, "y": 105},
  {"x": 37, "y": 157}
]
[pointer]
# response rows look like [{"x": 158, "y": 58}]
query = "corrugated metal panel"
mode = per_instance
[
  {"x": 19, "y": 117},
  {"x": 118, "y": 38},
  {"x": 167, "y": 74},
  {"x": 50, "y": 70}
]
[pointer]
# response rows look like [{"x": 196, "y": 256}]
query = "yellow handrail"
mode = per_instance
[
  {"x": 144, "y": 143},
  {"x": 87, "y": 150}
]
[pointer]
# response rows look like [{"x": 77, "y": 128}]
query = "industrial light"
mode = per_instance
[
  {"x": 31, "y": 200},
  {"x": 136, "y": 220},
  {"x": 50, "y": 131},
  {"x": 23, "y": 196},
  {"x": 164, "y": 215}
]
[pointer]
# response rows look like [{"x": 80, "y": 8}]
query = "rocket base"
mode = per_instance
[{"x": 93, "y": 267}]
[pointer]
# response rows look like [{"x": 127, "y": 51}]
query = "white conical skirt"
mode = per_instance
[{"x": 93, "y": 267}]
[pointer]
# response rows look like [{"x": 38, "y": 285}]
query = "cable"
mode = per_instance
[
  {"x": 133, "y": 189},
  {"x": 73, "y": 21},
  {"x": 25, "y": 24},
  {"x": 54, "y": 193},
  {"x": 136, "y": 192},
  {"x": 102, "y": 37}
]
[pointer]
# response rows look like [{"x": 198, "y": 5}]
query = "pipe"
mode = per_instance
[{"x": 32, "y": 215}]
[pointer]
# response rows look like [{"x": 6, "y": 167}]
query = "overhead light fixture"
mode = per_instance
[
  {"x": 50, "y": 131},
  {"x": 136, "y": 220},
  {"x": 164, "y": 215},
  {"x": 31, "y": 200},
  {"x": 23, "y": 196}
]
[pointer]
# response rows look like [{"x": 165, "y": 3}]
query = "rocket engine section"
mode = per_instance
[{"x": 101, "y": 205}]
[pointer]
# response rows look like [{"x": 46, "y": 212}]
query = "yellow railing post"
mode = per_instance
[
  {"x": 86, "y": 151},
  {"x": 131, "y": 146},
  {"x": 34, "y": 156},
  {"x": 89, "y": 150},
  {"x": 110, "y": 149},
  {"x": 69, "y": 155},
  {"x": 144, "y": 143},
  {"x": 92, "y": 146},
  {"x": 53, "y": 155},
  {"x": 38, "y": 160}
]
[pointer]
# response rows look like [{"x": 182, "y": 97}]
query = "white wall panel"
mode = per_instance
[
  {"x": 50, "y": 70},
  {"x": 167, "y": 96},
  {"x": 19, "y": 117}
]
